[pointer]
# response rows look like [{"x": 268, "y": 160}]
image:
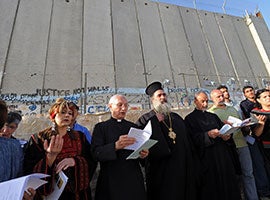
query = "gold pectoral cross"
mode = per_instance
[{"x": 172, "y": 135}]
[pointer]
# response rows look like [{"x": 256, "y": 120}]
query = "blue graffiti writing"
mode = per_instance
[{"x": 97, "y": 109}]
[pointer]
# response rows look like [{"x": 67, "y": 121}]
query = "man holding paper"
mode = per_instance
[
  {"x": 170, "y": 172},
  {"x": 225, "y": 112},
  {"x": 220, "y": 180},
  {"x": 119, "y": 178}
]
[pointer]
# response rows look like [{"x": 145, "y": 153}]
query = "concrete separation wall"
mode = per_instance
[{"x": 87, "y": 50}]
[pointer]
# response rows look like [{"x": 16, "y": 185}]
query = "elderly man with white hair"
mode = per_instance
[
  {"x": 215, "y": 152},
  {"x": 119, "y": 178}
]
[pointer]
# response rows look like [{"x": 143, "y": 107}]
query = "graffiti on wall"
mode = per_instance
[
  {"x": 46, "y": 96},
  {"x": 96, "y": 98}
]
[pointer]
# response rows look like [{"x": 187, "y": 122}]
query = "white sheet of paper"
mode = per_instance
[
  {"x": 148, "y": 144},
  {"x": 35, "y": 180},
  {"x": 14, "y": 188},
  {"x": 239, "y": 123},
  {"x": 59, "y": 186},
  {"x": 148, "y": 128},
  {"x": 234, "y": 121},
  {"x": 141, "y": 136},
  {"x": 227, "y": 129}
]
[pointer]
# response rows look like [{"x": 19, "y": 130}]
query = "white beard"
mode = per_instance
[{"x": 162, "y": 108}]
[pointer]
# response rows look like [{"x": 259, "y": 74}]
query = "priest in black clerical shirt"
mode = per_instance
[
  {"x": 119, "y": 178},
  {"x": 170, "y": 165},
  {"x": 215, "y": 150}
]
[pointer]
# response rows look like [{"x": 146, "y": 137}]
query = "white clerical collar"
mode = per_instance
[{"x": 118, "y": 120}]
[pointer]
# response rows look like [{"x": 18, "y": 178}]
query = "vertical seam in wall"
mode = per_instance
[
  {"x": 9, "y": 44},
  {"x": 46, "y": 56},
  {"x": 114, "y": 64},
  {"x": 82, "y": 47},
  {"x": 259, "y": 45},
  {"x": 166, "y": 44},
  {"x": 167, "y": 49},
  {"x": 241, "y": 43},
  {"x": 141, "y": 45},
  {"x": 142, "y": 51},
  {"x": 190, "y": 50},
  {"x": 228, "y": 51},
  {"x": 208, "y": 46}
]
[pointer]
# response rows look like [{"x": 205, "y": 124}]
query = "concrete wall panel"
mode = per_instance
[
  {"x": 178, "y": 47},
  {"x": 97, "y": 44},
  {"x": 7, "y": 12},
  {"x": 27, "y": 53},
  {"x": 154, "y": 48},
  {"x": 64, "y": 50},
  {"x": 216, "y": 47},
  {"x": 263, "y": 32},
  {"x": 235, "y": 47},
  {"x": 199, "y": 48},
  {"x": 127, "y": 46},
  {"x": 257, "y": 67}
]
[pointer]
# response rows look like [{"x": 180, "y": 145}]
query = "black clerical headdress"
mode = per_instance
[{"x": 150, "y": 90}]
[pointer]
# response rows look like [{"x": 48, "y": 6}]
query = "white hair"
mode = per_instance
[
  {"x": 114, "y": 98},
  {"x": 198, "y": 93}
]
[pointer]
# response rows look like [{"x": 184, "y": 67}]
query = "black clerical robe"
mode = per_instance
[
  {"x": 119, "y": 179},
  {"x": 216, "y": 154},
  {"x": 170, "y": 173}
]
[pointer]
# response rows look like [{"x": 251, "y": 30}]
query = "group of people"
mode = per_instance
[{"x": 192, "y": 160}]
